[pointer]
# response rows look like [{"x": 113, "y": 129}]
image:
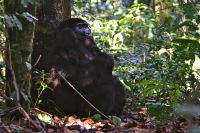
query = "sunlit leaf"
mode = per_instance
[
  {"x": 45, "y": 118},
  {"x": 192, "y": 26},
  {"x": 79, "y": 4},
  {"x": 128, "y": 85},
  {"x": 29, "y": 17},
  {"x": 28, "y": 65}
]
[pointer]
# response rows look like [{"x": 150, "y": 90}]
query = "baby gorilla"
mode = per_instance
[{"x": 76, "y": 57}]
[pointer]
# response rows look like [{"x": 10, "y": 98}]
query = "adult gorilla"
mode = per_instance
[{"x": 75, "y": 56}]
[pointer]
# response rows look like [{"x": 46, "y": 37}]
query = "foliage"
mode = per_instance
[
  {"x": 155, "y": 51},
  {"x": 2, "y": 38},
  {"x": 13, "y": 20},
  {"x": 155, "y": 47},
  {"x": 19, "y": 23},
  {"x": 41, "y": 83},
  {"x": 2, "y": 43}
]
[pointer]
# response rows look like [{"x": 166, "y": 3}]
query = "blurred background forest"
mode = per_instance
[{"x": 155, "y": 44}]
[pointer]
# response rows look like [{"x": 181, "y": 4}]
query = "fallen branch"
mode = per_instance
[
  {"x": 26, "y": 115},
  {"x": 18, "y": 105}
]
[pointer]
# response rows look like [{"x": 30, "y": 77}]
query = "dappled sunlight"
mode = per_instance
[{"x": 99, "y": 66}]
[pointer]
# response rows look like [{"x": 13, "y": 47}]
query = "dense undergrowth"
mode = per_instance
[{"x": 156, "y": 50}]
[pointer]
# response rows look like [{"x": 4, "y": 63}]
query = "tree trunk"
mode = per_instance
[
  {"x": 49, "y": 13},
  {"x": 67, "y": 8},
  {"x": 19, "y": 49}
]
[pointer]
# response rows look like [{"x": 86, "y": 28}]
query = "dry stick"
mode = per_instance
[
  {"x": 32, "y": 69},
  {"x": 41, "y": 111},
  {"x": 15, "y": 86},
  {"x": 21, "y": 110},
  {"x": 8, "y": 130},
  {"x": 88, "y": 102},
  {"x": 14, "y": 82},
  {"x": 26, "y": 115},
  {"x": 38, "y": 98},
  {"x": 37, "y": 61}
]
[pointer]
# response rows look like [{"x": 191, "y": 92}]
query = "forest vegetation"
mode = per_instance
[{"x": 155, "y": 45}]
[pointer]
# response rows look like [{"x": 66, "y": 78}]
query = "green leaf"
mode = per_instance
[
  {"x": 96, "y": 117},
  {"x": 9, "y": 21},
  {"x": 116, "y": 120},
  {"x": 25, "y": 97},
  {"x": 45, "y": 118},
  {"x": 185, "y": 41},
  {"x": 79, "y": 4},
  {"x": 17, "y": 22},
  {"x": 192, "y": 26},
  {"x": 29, "y": 17},
  {"x": 148, "y": 91},
  {"x": 128, "y": 85},
  {"x": 28, "y": 65}
]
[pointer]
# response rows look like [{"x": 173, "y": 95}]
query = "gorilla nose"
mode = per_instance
[{"x": 88, "y": 33}]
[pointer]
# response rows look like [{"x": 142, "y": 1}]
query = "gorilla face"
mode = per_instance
[
  {"x": 83, "y": 29},
  {"x": 78, "y": 25}
]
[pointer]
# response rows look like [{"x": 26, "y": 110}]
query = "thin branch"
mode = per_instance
[
  {"x": 40, "y": 93},
  {"x": 41, "y": 111},
  {"x": 14, "y": 82},
  {"x": 7, "y": 128},
  {"x": 26, "y": 115},
  {"x": 37, "y": 61},
  {"x": 21, "y": 110}
]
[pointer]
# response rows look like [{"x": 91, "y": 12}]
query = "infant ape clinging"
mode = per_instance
[{"x": 76, "y": 57}]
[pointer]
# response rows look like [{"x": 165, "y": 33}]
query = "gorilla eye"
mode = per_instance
[{"x": 82, "y": 25}]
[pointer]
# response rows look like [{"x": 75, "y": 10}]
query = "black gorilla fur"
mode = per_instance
[{"x": 75, "y": 56}]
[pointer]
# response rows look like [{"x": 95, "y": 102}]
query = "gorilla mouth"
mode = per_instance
[{"x": 87, "y": 34}]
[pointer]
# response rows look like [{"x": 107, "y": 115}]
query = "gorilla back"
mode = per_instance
[{"x": 75, "y": 56}]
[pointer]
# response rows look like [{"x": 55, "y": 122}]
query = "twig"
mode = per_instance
[
  {"x": 17, "y": 90},
  {"x": 37, "y": 61},
  {"x": 88, "y": 102},
  {"x": 6, "y": 128},
  {"x": 26, "y": 115},
  {"x": 38, "y": 97},
  {"x": 21, "y": 110},
  {"x": 15, "y": 85},
  {"x": 41, "y": 111}
]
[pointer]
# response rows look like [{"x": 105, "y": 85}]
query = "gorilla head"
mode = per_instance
[
  {"x": 73, "y": 31},
  {"x": 79, "y": 26}
]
